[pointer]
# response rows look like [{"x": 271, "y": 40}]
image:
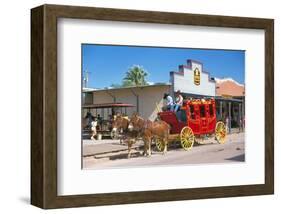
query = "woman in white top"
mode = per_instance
[{"x": 169, "y": 102}]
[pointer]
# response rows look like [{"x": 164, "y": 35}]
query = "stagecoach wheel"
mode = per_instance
[
  {"x": 187, "y": 138},
  {"x": 220, "y": 132},
  {"x": 159, "y": 145}
]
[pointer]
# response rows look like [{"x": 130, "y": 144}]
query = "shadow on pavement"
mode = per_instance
[
  {"x": 125, "y": 156},
  {"x": 240, "y": 158}
]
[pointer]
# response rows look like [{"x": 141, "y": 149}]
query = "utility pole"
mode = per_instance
[{"x": 86, "y": 78}]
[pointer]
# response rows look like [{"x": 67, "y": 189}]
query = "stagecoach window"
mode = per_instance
[
  {"x": 191, "y": 107},
  {"x": 202, "y": 111},
  {"x": 211, "y": 110}
]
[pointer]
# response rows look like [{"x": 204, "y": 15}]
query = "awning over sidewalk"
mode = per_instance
[{"x": 107, "y": 105}]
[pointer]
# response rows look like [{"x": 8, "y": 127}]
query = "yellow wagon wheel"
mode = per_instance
[
  {"x": 220, "y": 132},
  {"x": 187, "y": 138},
  {"x": 159, "y": 145}
]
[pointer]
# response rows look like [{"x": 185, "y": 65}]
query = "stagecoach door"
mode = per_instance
[{"x": 203, "y": 119}]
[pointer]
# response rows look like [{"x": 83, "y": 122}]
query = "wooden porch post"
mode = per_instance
[
  {"x": 240, "y": 118},
  {"x": 220, "y": 110},
  {"x": 229, "y": 117}
]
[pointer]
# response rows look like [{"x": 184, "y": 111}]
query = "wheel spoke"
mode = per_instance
[
  {"x": 159, "y": 145},
  {"x": 220, "y": 132},
  {"x": 187, "y": 138}
]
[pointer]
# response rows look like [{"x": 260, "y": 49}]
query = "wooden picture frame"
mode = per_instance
[{"x": 44, "y": 106}]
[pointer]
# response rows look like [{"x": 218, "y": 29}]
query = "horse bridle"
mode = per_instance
[{"x": 145, "y": 123}]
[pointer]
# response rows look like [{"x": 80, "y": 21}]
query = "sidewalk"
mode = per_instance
[{"x": 99, "y": 147}]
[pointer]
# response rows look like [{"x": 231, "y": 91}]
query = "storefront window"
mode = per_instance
[
  {"x": 87, "y": 98},
  {"x": 191, "y": 107}
]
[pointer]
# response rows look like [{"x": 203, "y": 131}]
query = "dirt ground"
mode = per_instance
[{"x": 111, "y": 154}]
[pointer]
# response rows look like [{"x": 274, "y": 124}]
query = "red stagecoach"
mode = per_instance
[{"x": 196, "y": 118}]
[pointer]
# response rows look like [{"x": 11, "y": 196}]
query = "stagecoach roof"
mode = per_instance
[{"x": 108, "y": 105}]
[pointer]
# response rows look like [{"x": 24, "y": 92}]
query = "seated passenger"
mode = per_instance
[
  {"x": 169, "y": 102},
  {"x": 179, "y": 101}
]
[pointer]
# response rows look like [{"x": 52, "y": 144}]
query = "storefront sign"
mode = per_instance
[{"x": 196, "y": 76}]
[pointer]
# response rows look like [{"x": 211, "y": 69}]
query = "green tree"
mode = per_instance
[
  {"x": 135, "y": 76},
  {"x": 114, "y": 85}
]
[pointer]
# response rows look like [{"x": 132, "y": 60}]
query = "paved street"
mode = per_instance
[{"x": 110, "y": 154}]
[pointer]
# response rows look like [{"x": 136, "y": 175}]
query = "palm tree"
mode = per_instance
[{"x": 135, "y": 76}]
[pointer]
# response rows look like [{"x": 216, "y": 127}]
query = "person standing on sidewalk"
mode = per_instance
[
  {"x": 94, "y": 124},
  {"x": 227, "y": 125}
]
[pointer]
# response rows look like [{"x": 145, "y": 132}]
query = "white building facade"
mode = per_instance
[
  {"x": 147, "y": 100},
  {"x": 192, "y": 80}
]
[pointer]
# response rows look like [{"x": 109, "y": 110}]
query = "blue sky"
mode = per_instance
[{"x": 108, "y": 64}]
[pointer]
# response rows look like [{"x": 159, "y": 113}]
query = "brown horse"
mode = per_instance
[
  {"x": 149, "y": 130},
  {"x": 121, "y": 124}
]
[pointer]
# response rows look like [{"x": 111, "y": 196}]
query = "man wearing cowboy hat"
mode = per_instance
[{"x": 179, "y": 101}]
